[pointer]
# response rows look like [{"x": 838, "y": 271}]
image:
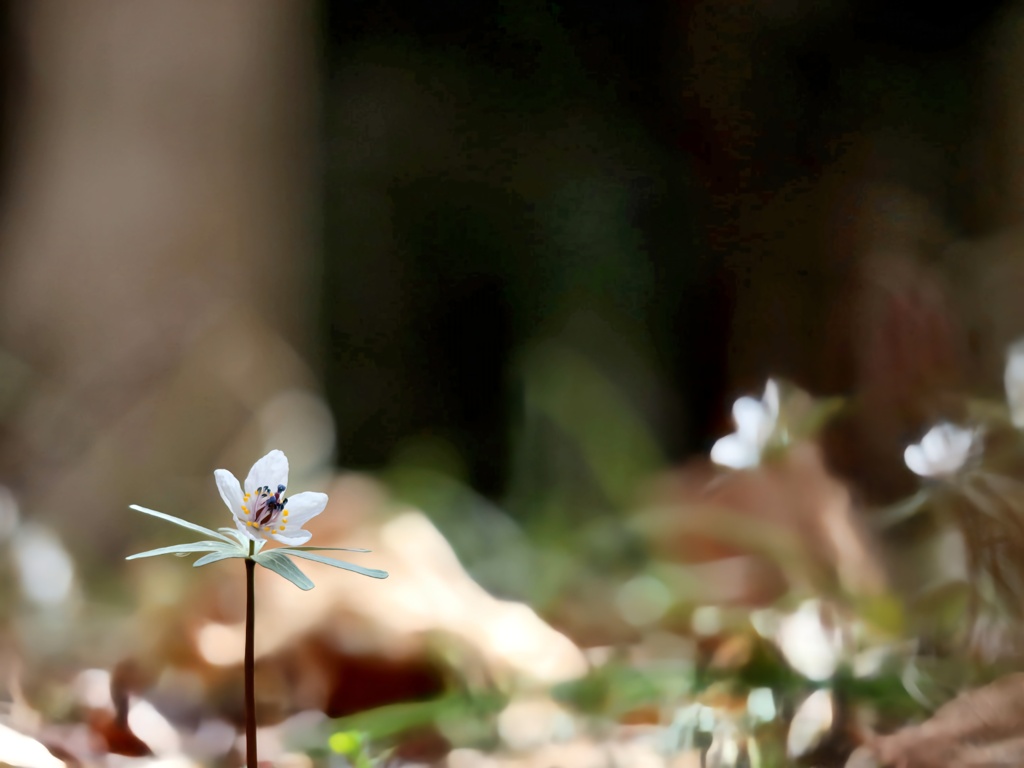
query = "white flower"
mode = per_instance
[
  {"x": 756, "y": 421},
  {"x": 943, "y": 451},
  {"x": 262, "y": 510},
  {"x": 1013, "y": 379}
]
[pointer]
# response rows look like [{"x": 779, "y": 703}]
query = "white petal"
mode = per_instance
[
  {"x": 752, "y": 420},
  {"x": 810, "y": 647},
  {"x": 946, "y": 447},
  {"x": 293, "y": 538},
  {"x": 960, "y": 443},
  {"x": 950, "y": 464},
  {"x": 735, "y": 452},
  {"x": 249, "y": 532},
  {"x": 1013, "y": 378},
  {"x": 811, "y": 723},
  {"x": 771, "y": 400},
  {"x": 270, "y": 471},
  {"x": 916, "y": 462},
  {"x": 303, "y": 507},
  {"x": 935, "y": 444},
  {"x": 230, "y": 491}
]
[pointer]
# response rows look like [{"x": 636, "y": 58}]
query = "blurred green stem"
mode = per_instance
[{"x": 250, "y": 666}]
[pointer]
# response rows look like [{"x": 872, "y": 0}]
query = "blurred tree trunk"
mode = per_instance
[{"x": 155, "y": 249}]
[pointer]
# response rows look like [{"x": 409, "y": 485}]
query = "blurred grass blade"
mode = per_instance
[
  {"x": 903, "y": 510},
  {"x": 820, "y": 413},
  {"x": 995, "y": 506},
  {"x": 395, "y": 719},
  {"x": 619, "y": 447}
]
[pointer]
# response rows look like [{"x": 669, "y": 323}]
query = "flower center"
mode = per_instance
[{"x": 266, "y": 510}]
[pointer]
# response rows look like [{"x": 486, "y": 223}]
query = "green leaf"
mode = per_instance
[
  {"x": 394, "y": 719},
  {"x": 182, "y": 523},
  {"x": 213, "y": 557},
  {"x": 347, "y": 742},
  {"x": 183, "y": 549},
  {"x": 373, "y": 573},
  {"x": 329, "y": 549},
  {"x": 279, "y": 563}
]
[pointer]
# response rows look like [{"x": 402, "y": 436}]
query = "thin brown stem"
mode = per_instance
[{"x": 250, "y": 665}]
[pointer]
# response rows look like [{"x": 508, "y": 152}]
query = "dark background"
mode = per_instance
[{"x": 729, "y": 145}]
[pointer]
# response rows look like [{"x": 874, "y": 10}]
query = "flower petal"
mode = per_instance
[
  {"x": 735, "y": 452},
  {"x": 248, "y": 532},
  {"x": 271, "y": 470},
  {"x": 1013, "y": 379},
  {"x": 230, "y": 490},
  {"x": 946, "y": 448},
  {"x": 771, "y": 400},
  {"x": 961, "y": 441},
  {"x": 936, "y": 443},
  {"x": 292, "y": 538},
  {"x": 916, "y": 461},
  {"x": 304, "y": 506},
  {"x": 753, "y": 422}
]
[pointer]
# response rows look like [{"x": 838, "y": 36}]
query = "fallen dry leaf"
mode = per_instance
[
  {"x": 787, "y": 520},
  {"x": 980, "y": 728}
]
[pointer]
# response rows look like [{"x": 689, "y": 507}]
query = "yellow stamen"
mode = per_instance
[{"x": 250, "y": 523}]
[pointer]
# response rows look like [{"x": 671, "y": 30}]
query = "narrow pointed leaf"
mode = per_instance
[
  {"x": 213, "y": 557},
  {"x": 184, "y": 549},
  {"x": 242, "y": 539},
  {"x": 373, "y": 573},
  {"x": 902, "y": 510},
  {"x": 234, "y": 533},
  {"x": 279, "y": 563},
  {"x": 327, "y": 549},
  {"x": 182, "y": 523}
]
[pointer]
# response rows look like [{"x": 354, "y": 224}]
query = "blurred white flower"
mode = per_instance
[
  {"x": 943, "y": 451},
  {"x": 1013, "y": 379},
  {"x": 263, "y": 510},
  {"x": 44, "y": 566},
  {"x": 811, "y": 723},
  {"x": 755, "y": 422},
  {"x": 811, "y": 646},
  {"x": 19, "y": 749}
]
